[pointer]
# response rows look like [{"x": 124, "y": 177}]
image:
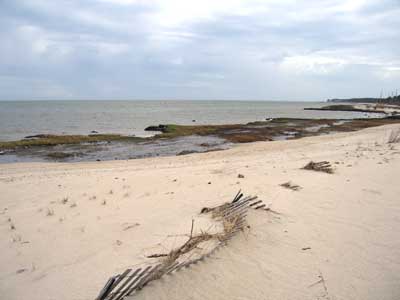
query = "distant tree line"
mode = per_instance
[{"x": 388, "y": 100}]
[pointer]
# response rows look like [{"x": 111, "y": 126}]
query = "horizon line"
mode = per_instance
[{"x": 154, "y": 99}]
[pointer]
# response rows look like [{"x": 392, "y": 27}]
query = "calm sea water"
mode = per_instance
[{"x": 21, "y": 118}]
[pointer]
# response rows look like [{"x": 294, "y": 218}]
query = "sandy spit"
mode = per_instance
[{"x": 65, "y": 228}]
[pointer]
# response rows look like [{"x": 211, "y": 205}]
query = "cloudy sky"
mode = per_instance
[{"x": 204, "y": 49}]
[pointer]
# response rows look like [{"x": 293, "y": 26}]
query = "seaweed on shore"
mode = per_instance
[{"x": 268, "y": 130}]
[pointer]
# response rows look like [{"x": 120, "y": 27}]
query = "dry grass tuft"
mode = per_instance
[
  {"x": 323, "y": 166},
  {"x": 178, "y": 255}
]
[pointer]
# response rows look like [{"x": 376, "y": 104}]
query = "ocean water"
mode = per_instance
[{"x": 21, "y": 118}]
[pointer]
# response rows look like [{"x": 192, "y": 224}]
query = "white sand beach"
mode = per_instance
[{"x": 65, "y": 228}]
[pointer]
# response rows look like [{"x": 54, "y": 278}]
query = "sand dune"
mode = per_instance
[{"x": 66, "y": 228}]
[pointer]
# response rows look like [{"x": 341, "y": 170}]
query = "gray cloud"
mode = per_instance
[{"x": 134, "y": 49}]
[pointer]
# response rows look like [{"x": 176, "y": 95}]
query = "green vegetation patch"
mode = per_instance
[
  {"x": 235, "y": 133},
  {"x": 53, "y": 140}
]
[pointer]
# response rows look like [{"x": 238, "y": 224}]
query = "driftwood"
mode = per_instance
[
  {"x": 255, "y": 203},
  {"x": 157, "y": 255},
  {"x": 323, "y": 166},
  {"x": 260, "y": 206},
  {"x": 291, "y": 186}
]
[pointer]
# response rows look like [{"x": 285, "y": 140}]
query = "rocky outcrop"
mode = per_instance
[{"x": 160, "y": 127}]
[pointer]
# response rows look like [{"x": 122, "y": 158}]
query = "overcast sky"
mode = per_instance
[{"x": 204, "y": 49}]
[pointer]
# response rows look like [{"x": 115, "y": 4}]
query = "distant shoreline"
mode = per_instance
[
  {"x": 389, "y": 100},
  {"x": 376, "y": 108}
]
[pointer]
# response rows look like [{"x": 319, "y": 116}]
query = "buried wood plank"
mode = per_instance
[
  {"x": 255, "y": 203},
  {"x": 171, "y": 268},
  {"x": 146, "y": 279},
  {"x": 131, "y": 278},
  {"x": 228, "y": 206},
  {"x": 122, "y": 276},
  {"x": 260, "y": 206},
  {"x": 238, "y": 196},
  {"x": 111, "y": 285},
  {"x": 244, "y": 200},
  {"x": 235, "y": 212},
  {"x": 231, "y": 211},
  {"x": 106, "y": 289},
  {"x": 123, "y": 293}
]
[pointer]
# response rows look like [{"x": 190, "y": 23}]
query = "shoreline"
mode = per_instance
[
  {"x": 331, "y": 216},
  {"x": 173, "y": 139}
]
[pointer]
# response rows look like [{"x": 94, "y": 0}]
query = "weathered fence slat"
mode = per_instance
[
  {"x": 129, "y": 278},
  {"x": 144, "y": 280},
  {"x": 255, "y": 203},
  {"x": 260, "y": 206},
  {"x": 232, "y": 214},
  {"x": 106, "y": 289},
  {"x": 123, "y": 293}
]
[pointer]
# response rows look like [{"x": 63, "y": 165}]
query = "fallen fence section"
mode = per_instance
[{"x": 231, "y": 215}]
